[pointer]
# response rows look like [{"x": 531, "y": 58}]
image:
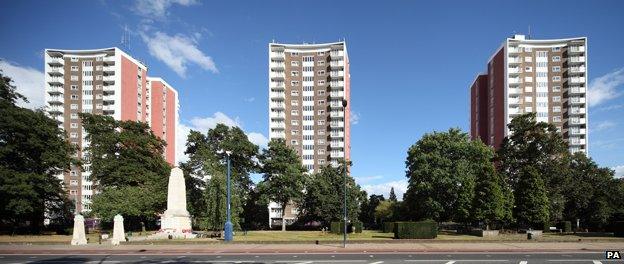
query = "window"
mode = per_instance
[
  {"x": 556, "y": 98},
  {"x": 556, "y": 109},
  {"x": 294, "y": 93},
  {"x": 74, "y": 68},
  {"x": 528, "y": 109},
  {"x": 294, "y": 132},
  {"x": 294, "y": 122},
  {"x": 528, "y": 49},
  {"x": 320, "y": 93},
  {"x": 294, "y": 73},
  {"x": 87, "y": 73},
  {"x": 308, "y": 79},
  {"x": 321, "y": 132},
  {"x": 87, "y": 63},
  {"x": 87, "y": 92},
  {"x": 73, "y": 182},
  {"x": 87, "y": 83},
  {"x": 321, "y": 82},
  {"x": 320, "y": 72},
  {"x": 74, "y": 97},
  {"x": 556, "y": 58},
  {"x": 72, "y": 192},
  {"x": 556, "y": 49},
  {"x": 74, "y": 87},
  {"x": 528, "y": 99},
  {"x": 73, "y": 125},
  {"x": 294, "y": 83},
  {"x": 321, "y": 112},
  {"x": 528, "y": 59},
  {"x": 556, "y": 69},
  {"x": 528, "y": 89},
  {"x": 74, "y": 77},
  {"x": 528, "y": 79},
  {"x": 294, "y": 112},
  {"x": 556, "y": 119},
  {"x": 294, "y": 63},
  {"x": 73, "y": 106},
  {"x": 294, "y": 142},
  {"x": 294, "y": 54},
  {"x": 320, "y": 63},
  {"x": 556, "y": 78},
  {"x": 74, "y": 115},
  {"x": 74, "y": 59},
  {"x": 556, "y": 89},
  {"x": 294, "y": 102},
  {"x": 320, "y": 122},
  {"x": 321, "y": 162},
  {"x": 308, "y": 58},
  {"x": 320, "y": 53},
  {"x": 73, "y": 135},
  {"x": 528, "y": 69},
  {"x": 321, "y": 102}
]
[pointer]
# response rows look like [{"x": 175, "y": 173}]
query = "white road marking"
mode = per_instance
[
  {"x": 597, "y": 262},
  {"x": 450, "y": 262},
  {"x": 523, "y": 262},
  {"x": 378, "y": 262},
  {"x": 453, "y": 261}
]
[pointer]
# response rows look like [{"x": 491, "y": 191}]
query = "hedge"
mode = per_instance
[
  {"x": 338, "y": 227},
  {"x": 565, "y": 226},
  {"x": 416, "y": 230},
  {"x": 618, "y": 228},
  {"x": 388, "y": 227},
  {"x": 357, "y": 226}
]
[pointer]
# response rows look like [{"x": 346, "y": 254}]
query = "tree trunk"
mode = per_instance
[{"x": 283, "y": 214}]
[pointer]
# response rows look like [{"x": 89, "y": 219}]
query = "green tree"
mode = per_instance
[
  {"x": 324, "y": 196},
  {"x": 128, "y": 167},
  {"x": 532, "y": 205},
  {"x": 441, "y": 169},
  {"x": 385, "y": 211},
  {"x": 539, "y": 147},
  {"x": 492, "y": 197},
  {"x": 283, "y": 175},
  {"x": 33, "y": 152},
  {"x": 256, "y": 211},
  {"x": 392, "y": 196},
  {"x": 590, "y": 193},
  {"x": 206, "y": 165},
  {"x": 367, "y": 211}
]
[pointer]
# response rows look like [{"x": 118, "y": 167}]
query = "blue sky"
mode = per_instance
[{"x": 411, "y": 61}]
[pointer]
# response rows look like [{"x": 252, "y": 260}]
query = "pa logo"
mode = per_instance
[{"x": 613, "y": 254}]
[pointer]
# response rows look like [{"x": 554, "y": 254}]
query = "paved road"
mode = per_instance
[{"x": 346, "y": 258}]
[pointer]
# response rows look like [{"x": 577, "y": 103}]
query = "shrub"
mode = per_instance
[
  {"x": 338, "y": 227},
  {"x": 546, "y": 227},
  {"x": 388, "y": 227},
  {"x": 416, "y": 230},
  {"x": 618, "y": 228},
  {"x": 357, "y": 226},
  {"x": 565, "y": 226}
]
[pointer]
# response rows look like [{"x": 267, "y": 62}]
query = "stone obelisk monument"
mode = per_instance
[
  {"x": 176, "y": 219},
  {"x": 79, "y": 237},
  {"x": 118, "y": 230}
]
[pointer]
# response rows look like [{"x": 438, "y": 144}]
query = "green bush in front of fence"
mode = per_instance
[
  {"x": 388, "y": 227},
  {"x": 416, "y": 230}
]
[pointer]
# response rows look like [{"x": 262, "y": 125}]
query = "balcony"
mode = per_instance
[
  {"x": 277, "y": 105},
  {"x": 336, "y": 134},
  {"x": 108, "y": 98},
  {"x": 55, "y": 89},
  {"x": 579, "y": 131},
  {"x": 577, "y": 90},
  {"x": 277, "y": 95},
  {"x": 336, "y": 64},
  {"x": 577, "y": 121},
  {"x": 109, "y": 60},
  {"x": 56, "y": 61},
  {"x": 277, "y": 75},
  {"x": 513, "y": 49},
  {"x": 280, "y": 125},
  {"x": 57, "y": 99},
  {"x": 277, "y": 115},
  {"x": 277, "y": 85},
  {"x": 336, "y": 74},
  {"x": 55, "y": 109},
  {"x": 336, "y": 94},
  {"x": 514, "y": 91},
  {"x": 576, "y": 80},
  {"x": 513, "y": 110},
  {"x": 577, "y": 110},
  {"x": 336, "y": 114},
  {"x": 513, "y": 70},
  {"x": 276, "y": 65},
  {"x": 108, "y": 79},
  {"x": 576, "y": 59},
  {"x": 336, "y": 84},
  {"x": 513, "y": 60},
  {"x": 56, "y": 81},
  {"x": 513, "y": 100},
  {"x": 336, "y": 53},
  {"x": 277, "y": 55},
  {"x": 109, "y": 69},
  {"x": 514, "y": 80},
  {"x": 108, "y": 89},
  {"x": 576, "y": 70},
  {"x": 576, "y": 100},
  {"x": 335, "y": 104},
  {"x": 56, "y": 71},
  {"x": 277, "y": 134},
  {"x": 59, "y": 118},
  {"x": 337, "y": 154},
  {"x": 337, "y": 144},
  {"x": 577, "y": 141},
  {"x": 336, "y": 124},
  {"x": 576, "y": 49}
]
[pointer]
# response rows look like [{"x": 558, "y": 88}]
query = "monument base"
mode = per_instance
[{"x": 175, "y": 223}]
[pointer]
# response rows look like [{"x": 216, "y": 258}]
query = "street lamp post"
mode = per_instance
[
  {"x": 228, "y": 229},
  {"x": 344, "y": 238}
]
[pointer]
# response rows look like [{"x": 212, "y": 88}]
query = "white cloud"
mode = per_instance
[
  {"x": 177, "y": 52},
  {"x": 603, "y": 88},
  {"x": 29, "y": 82},
  {"x": 156, "y": 9},
  {"x": 354, "y": 118},
  {"x": 203, "y": 124},
  {"x": 400, "y": 186},
  {"x": 258, "y": 139},
  {"x": 250, "y": 99},
  {"x": 604, "y": 125},
  {"x": 619, "y": 171}
]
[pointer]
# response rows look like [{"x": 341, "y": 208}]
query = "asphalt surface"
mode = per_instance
[{"x": 292, "y": 258}]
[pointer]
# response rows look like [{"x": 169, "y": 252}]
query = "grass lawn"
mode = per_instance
[{"x": 308, "y": 236}]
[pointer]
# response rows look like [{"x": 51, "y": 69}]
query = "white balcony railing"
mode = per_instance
[
  {"x": 576, "y": 79},
  {"x": 577, "y": 90},
  {"x": 578, "y": 131},
  {"x": 277, "y": 54},
  {"x": 513, "y": 49},
  {"x": 514, "y": 91},
  {"x": 577, "y": 141},
  {"x": 337, "y": 63},
  {"x": 336, "y": 84},
  {"x": 56, "y": 71},
  {"x": 577, "y": 121},
  {"x": 277, "y": 114},
  {"x": 278, "y": 94},
  {"x": 513, "y": 70},
  {"x": 280, "y": 125},
  {"x": 55, "y": 89},
  {"x": 336, "y": 114},
  {"x": 577, "y": 49},
  {"x": 577, "y": 59},
  {"x": 277, "y": 64},
  {"x": 513, "y": 110},
  {"x": 56, "y": 81},
  {"x": 514, "y": 80},
  {"x": 336, "y": 74},
  {"x": 577, "y": 69},
  {"x": 58, "y": 99},
  {"x": 513, "y": 59},
  {"x": 56, "y": 61},
  {"x": 578, "y": 110},
  {"x": 277, "y": 85},
  {"x": 277, "y": 75},
  {"x": 513, "y": 100},
  {"x": 336, "y": 94},
  {"x": 577, "y": 100},
  {"x": 336, "y": 53}
]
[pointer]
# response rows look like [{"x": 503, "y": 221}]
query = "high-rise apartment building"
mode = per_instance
[
  {"x": 547, "y": 77},
  {"x": 307, "y": 86},
  {"x": 107, "y": 82}
]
